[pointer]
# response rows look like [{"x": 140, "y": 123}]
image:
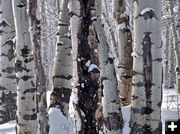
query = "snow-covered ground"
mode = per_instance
[{"x": 170, "y": 110}]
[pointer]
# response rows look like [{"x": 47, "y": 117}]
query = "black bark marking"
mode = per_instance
[
  {"x": 19, "y": 67},
  {"x": 29, "y": 90},
  {"x": 147, "y": 70},
  {"x": 59, "y": 97},
  {"x": 10, "y": 53},
  {"x": 138, "y": 84},
  {"x": 2, "y": 88},
  {"x": 12, "y": 77},
  {"x": 26, "y": 77},
  {"x": 25, "y": 51},
  {"x": 123, "y": 77},
  {"x": 27, "y": 60},
  {"x": 68, "y": 77},
  {"x": 21, "y": 5},
  {"x": 8, "y": 100},
  {"x": 113, "y": 121},
  {"x": 4, "y": 23},
  {"x": 30, "y": 117},
  {"x": 158, "y": 59},
  {"x": 60, "y": 44},
  {"x": 8, "y": 70},
  {"x": 110, "y": 60},
  {"x": 135, "y": 73}
]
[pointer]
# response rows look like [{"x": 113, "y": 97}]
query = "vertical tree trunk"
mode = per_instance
[
  {"x": 62, "y": 75},
  {"x": 111, "y": 104},
  {"x": 147, "y": 69},
  {"x": 124, "y": 39},
  {"x": 166, "y": 60},
  {"x": 25, "y": 72},
  {"x": 35, "y": 34},
  {"x": 176, "y": 47},
  {"x": 7, "y": 58},
  {"x": 85, "y": 64}
]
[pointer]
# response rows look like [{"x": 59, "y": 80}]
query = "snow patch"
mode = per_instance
[
  {"x": 134, "y": 54},
  {"x": 59, "y": 124},
  {"x": 147, "y": 9},
  {"x": 92, "y": 67}
]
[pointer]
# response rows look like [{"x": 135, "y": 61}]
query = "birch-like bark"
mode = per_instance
[
  {"x": 35, "y": 34},
  {"x": 124, "y": 41},
  {"x": 25, "y": 72},
  {"x": 147, "y": 69},
  {"x": 7, "y": 58},
  {"x": 62, "y": 76},
  {"x": 176, "y": 45},
  {"x": 166, "y": 60},
  {"x": 172, "y": 73},
  {"x": 178, "y": 20},
  {"x": 113, "y": 121},
  {"x": 85, "y": 64}
]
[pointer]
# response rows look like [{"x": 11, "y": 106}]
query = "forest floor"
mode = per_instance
[{"x": 170, "y": 110}]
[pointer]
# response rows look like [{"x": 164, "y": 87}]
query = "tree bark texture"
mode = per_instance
[
  {"x": 112, "y": 115},
  {"x": 35, "y": 34},
  {"x": 124, "y": 41},
  {"x": 85, "y": 64},
  {"x": 147, "y": 69},
  {"x": 25, "y": 72},
  {"x": 7, "y": 58}
]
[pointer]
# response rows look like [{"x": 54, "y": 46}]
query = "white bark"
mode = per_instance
[
  {"x": 62, "y": 75},
  {"x": 147, "y": 68},
  {"x": 171, "y": 70},
  {"x": 166, "y": 60},
  {"x": 176, "y": 46},
  {"x": 35, "y": 34},
  {"x": 111, "y": 104},
  {"x": 124, "y": 41},
  {"x": 25, "y": 72},
  {"x": 7, "y": 58},
  {"x": 74, "y": 7}
]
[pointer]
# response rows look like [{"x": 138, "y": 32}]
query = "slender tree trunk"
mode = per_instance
[
  {"x": 25, "y": 72},
  {"x": 35, "y": 33},
  {"x": 111, "y": 104},
  {"x": 177, "y": 48},
  {"x": 7, "y": 58},
  {"x": 178, "y": 20},
  {"x": 62, "y": 75},
  {"x": 124, "y": 39},
  {"x": 172, "y": 73},
  {"x": 147, "y": 69},
  {"x": 85, "y": 64},
  {"x": 166, "y": 60}
]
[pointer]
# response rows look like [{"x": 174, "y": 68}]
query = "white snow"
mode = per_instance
[
  {"x": 134, "y": 54},
  {"x": 126, "y": 112},
  {"x": 147, "y": 9},
  {"x": 121, "y": 26},
  {"x": 8, "y": 128},
  {"x": 92, "y": 67},
  {"x": 59, "y": 124}
]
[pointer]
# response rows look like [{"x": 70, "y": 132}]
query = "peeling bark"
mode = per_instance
[
  {"x": 25, "y": 72},
  {"x": 7, "y": 58},
  {"x": 124, "y": 41}
]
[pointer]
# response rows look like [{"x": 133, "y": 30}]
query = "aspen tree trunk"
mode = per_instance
[
  {"x": 35, "y": 34},
  {"x": 85, "y": 64},
  {"x": 176, "y": 46},
  {"x": 25, "y": 72},
  {"x": 172, "y": 73},
  {"x": 147, "y": 68},
  {"x": 7, "y": 58},
  {"x": 124, "y": 40},
  {"x": 111, "y": 104},
  {"x": 178, "y": 20},
  {"x": 62, "y": 75},
  {"x": 166, "y": 52}
]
